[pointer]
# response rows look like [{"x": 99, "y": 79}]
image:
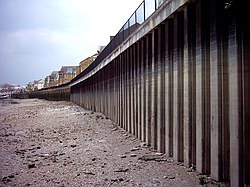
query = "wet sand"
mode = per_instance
[{"x": 46, "y": 143}]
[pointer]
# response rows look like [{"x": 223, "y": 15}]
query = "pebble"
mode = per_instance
[
  {"x": 31, "y": 166},
  {"x": 114, "y": 129},
  {"x": 121, "y": 170},
  {"x": 88, "y": 173},
  {"x": 159, "y": 154},
  {"x": 171, "y": 177},
  {"x": 135, "y": 149}
]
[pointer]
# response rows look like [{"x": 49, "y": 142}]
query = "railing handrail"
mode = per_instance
[{"x": 116, "y": 41}]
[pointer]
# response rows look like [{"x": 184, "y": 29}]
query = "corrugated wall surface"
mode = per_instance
[
  {"x": 184, "y": 89},
  {"x": 61, "y": 93}
]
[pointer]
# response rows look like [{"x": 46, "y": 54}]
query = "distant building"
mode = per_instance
[
  {"x": 53, "y": 79},
  {"x": 46, "y": 81},
  {"x": 7, "y": 89},
  {"x": 66, "y": 74},
  {"x": 100, "y": 48},
  {"x": 39, "y": 84},
  {"x": 85, "y": 63},
  {"x": 18, "y": 89},
  {"x": 30, "y": 86},
  {"x": 35, "y": 85}
]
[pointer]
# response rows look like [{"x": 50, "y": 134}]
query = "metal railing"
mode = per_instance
[{"x": 144, "y": 10}]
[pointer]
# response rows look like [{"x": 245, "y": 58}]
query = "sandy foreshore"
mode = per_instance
[{"x": 46, "y": 143}]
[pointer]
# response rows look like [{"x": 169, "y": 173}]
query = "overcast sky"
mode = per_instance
[{"x": 39, "y": 36}]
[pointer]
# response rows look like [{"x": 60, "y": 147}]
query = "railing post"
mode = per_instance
[{"x": 144, "y": 11}]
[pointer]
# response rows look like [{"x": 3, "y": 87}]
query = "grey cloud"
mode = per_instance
[{"x": 29, "y": 14}]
